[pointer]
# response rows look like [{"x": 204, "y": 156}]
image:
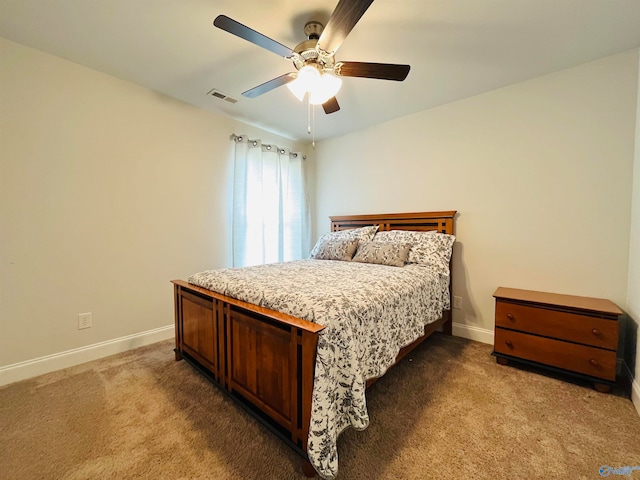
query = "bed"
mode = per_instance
[{"x": 271, "y": 354}]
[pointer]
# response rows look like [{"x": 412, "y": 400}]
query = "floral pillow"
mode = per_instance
[
  {"x": 383, "y": 253},
  {"x": 427, "y": 248},
  {"x": 336, "y": 250},
  {"x": 363, "y": 234},
  {"x": 439, "y": 252}
]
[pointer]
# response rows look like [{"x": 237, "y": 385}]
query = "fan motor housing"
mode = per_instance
[{"x": 307, "y": 51}]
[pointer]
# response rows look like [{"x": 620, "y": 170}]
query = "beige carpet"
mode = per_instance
[{"x": 448, "y": 412}]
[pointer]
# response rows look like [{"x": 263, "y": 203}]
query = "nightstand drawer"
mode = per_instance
[
  {"x": 598, "y": 332},
  {"x": 569, "y": 356}
]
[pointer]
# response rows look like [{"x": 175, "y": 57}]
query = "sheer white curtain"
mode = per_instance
[{"x": 270, "y": 211}]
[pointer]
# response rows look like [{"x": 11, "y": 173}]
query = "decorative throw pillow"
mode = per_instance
[
  {"x": 419, "y": 242},
  {"x": 383, "y": 253},
  {"x": 336, "y": 250},
  {"x": 363, "y": 234},
  {"x": 427, "y": 248}
]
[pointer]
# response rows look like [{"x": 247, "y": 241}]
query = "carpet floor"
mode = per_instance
[{"x": 448, "y": 412}]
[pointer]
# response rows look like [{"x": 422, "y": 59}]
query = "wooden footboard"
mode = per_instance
[{"x": 263, "y": 358}]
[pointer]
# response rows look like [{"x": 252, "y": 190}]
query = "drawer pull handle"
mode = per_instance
[
  {"x": 510, "y": 316},
  {"x": 593, "y": 362},
  {"x": 596, "y": 332},
  {"x": 509, "y": 343}
]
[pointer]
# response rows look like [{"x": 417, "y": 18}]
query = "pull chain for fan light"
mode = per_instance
[{"x": 311, "y": 120}]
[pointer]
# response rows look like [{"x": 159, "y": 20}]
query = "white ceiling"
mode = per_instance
[{"x": 456, "y": 49}]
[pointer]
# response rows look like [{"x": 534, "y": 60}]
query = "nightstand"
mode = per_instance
[{"x": 573, "y": 335}]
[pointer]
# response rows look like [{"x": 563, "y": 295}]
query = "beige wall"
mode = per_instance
[
  {"x": 107, "y": 192},
  {"x": 540, "y": 172},
  {"x": 632, "y": 359}
]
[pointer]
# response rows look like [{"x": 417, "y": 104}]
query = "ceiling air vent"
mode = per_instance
[{"x": 222, "y": 96}]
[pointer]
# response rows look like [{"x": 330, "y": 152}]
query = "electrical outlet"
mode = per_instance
[
  {"x": 84, "y": 320},
  {"x": 457, "y": 303}
]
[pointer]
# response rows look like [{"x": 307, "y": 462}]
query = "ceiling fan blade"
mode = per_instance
[
  {"x": 236, "y": 28},
  {"x": 382, "y": 71},
  {"x": 270, "y": 85},
  {"x": 342, "y": 20},
  {"x": 331, "y": 106}
]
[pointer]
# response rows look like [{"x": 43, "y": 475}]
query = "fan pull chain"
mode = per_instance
[
  {"x": 308, "y": 116},
  {"x": 311, "y": 120}
]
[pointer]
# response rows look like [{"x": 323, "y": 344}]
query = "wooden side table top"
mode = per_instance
[{"x": 571, "y": 301}]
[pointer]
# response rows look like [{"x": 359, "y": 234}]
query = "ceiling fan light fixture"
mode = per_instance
[
  {"x": 309, "y": 80},
  {"x": 297, "y": 88},
  {"x": 321, "y": 87},
  {"x": 309, "y": 77},
  {"x": 327, "y": 88}
]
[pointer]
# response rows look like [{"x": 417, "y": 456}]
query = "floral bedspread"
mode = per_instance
[{"x": 369, "y": 312}]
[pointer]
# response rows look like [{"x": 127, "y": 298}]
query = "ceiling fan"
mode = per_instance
[{"x": 317, "y": 72}]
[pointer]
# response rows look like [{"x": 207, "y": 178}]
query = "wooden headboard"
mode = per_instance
[{"x": 421, "y": 221}]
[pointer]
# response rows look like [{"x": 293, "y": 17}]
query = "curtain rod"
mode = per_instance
[{"x": 239, "y": 138}]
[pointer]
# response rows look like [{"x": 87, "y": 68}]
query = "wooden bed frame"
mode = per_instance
[{"x": 265, "y": 359}]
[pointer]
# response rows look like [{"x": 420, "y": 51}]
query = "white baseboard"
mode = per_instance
[
  {"x": 635, "y": 387},
  {"x": 49, "y": 363},
  {"x": 473, "y": 333},
  {"x": 635, "y": 394}
]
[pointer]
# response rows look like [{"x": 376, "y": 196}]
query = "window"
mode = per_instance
[{"x": 270, "y": 212}]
